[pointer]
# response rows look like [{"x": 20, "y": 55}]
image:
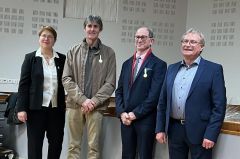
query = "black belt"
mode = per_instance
[{"x": 180, "y": 121}]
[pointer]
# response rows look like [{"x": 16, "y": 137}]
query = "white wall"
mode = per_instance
[{"x": 227, "y": 147}]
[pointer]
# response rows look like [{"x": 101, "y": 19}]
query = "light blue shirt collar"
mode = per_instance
[{"x": 196, "y": 61}]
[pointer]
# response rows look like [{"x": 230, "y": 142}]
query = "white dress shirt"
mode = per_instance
[{"x": 50, "y": 83}]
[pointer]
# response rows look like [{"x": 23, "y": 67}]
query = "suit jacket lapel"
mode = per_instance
[
  {"x": 38, "y": 63},
  {"x": 200, "y": 69},
  {"x": 172, "y": 78}
]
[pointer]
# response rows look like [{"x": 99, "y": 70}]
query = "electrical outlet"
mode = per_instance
[
  {"x": 8, "y": 85},
  {"x": 3, "y": 80},
  {"x": 15, "y": 81},
  {"x": 9, "y": 81}
]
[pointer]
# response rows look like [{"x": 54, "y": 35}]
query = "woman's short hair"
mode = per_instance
[{"x": 50, "y": 29}]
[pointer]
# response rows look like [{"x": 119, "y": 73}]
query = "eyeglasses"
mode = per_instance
[
  {"x": 191, "y": 42},
  {"x": 47, "y": 36},
  {"x": 143, "y": 37}
]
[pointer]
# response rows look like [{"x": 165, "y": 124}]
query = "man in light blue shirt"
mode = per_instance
[{"x": 192, "y": 103}]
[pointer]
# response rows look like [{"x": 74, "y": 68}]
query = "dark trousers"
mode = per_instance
[
  {"x": 137, "y": 138},
  {"x": 50, "y": 121},
  {"x": 179, "y": 145}
]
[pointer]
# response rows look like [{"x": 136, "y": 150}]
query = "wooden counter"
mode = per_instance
[
  {"x": 231, "y": 124},
  {"x": 229, "y": 127},
  {"x": 111, "y": 108},
  {"x": 3, "y": 97}
]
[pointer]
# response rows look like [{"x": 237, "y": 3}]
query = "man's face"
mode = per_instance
[
  {"x": 142, "y": 40},
  {"x": 92, "y": 31},
  {"x": 191, "y": 46}
]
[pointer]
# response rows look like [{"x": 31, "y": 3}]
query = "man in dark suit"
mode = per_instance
[
  {"x": 192, "y": 103},
  {"x": 137, "y": 95}
]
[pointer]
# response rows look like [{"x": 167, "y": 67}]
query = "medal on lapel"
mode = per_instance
[
  {"x": 100, "y": 59},
  {"x": 145, "y": 73}
]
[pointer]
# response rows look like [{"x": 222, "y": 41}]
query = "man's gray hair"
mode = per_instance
[
  {"x": 151, "y": 35},
  {"x": 194, "y": 31},
  {"x": 93, "y": 18}
]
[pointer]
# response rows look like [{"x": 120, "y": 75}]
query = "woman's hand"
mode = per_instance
[{"x": 22, "y": 116}]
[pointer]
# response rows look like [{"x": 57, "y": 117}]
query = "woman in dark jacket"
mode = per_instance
[{"x": 41, "y": 97}]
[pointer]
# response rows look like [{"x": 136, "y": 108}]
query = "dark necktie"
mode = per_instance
[{"x": 136, "y": 67}]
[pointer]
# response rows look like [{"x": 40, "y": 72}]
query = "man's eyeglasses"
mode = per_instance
[
  {"x": 143, "y": 37},
  {"x": 191, "y": 42}
]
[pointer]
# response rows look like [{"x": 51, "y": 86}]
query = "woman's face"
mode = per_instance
[{"x": 46, "y": 40}]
